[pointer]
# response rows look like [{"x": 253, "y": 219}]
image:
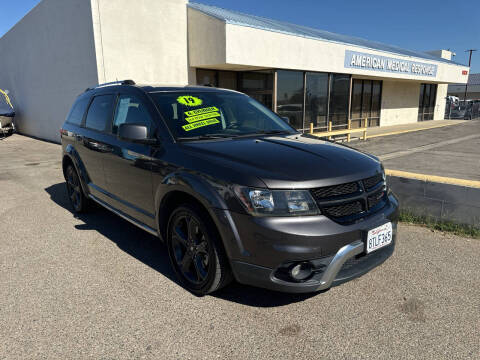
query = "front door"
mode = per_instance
[{"x": 128, "y": 166}]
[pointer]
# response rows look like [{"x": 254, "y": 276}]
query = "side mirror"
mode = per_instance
[{"x": 135, "y": 133}]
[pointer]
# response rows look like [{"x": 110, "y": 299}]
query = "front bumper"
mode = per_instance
[
  {"x": 347, "y": 264},
  {"x": 259, "y": 248}
]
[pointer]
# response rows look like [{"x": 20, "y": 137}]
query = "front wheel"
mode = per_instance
[{"x": 195, "y": 251}]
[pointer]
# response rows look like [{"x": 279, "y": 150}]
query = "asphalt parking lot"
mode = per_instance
[
  {"x": 451, "y": 151},
  {"x": 97, "y": 287}
]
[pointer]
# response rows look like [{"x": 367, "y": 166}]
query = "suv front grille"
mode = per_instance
[
  {"x": 344, "y": 209},
  {"x": 372, "y": 181},
  {"x": 351, "y": 202},
  {"x": 336, "y": 190}
]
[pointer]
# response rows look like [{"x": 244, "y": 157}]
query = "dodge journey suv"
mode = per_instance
[{"x": 230, "y": 187}]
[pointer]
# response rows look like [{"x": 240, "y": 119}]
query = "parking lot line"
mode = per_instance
[{"x": 433, "y": 178}]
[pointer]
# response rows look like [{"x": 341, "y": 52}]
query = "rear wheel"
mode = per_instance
[
  {"x": 74, "y": 190},
  {"x": 195, "y": 251}
]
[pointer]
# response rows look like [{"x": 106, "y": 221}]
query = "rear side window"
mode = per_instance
[
  {"x": 130, "y": 110},
  {"x": 75, "y": 116},
  {"x": 100, "y": 112}
]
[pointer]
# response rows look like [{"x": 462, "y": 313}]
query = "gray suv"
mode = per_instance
[{"x": 231, "y": 188}]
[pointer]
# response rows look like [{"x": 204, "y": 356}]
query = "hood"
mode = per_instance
[{"x": 295, "y": 161}]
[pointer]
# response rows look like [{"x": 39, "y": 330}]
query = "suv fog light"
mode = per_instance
[{"x": 301, "y": 271}]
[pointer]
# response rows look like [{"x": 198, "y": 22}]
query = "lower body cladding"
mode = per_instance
[{"x": 303, "y": 254}]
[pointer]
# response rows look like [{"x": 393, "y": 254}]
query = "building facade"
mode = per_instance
[{"x": 310, "y": 76}]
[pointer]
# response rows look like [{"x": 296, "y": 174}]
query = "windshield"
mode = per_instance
[{"x": 195, "y": 114}]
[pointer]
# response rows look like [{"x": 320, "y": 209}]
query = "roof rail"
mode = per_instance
[{"x": 119, "y": 82}]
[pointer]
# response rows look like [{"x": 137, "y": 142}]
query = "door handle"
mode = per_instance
[{"x": 97, "y": 146}]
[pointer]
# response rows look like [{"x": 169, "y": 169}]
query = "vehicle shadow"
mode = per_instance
[{"x": 152, "y": 252}]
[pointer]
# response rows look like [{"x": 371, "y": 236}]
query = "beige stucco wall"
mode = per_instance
[
  {"x": 206, "y": 39},
  {"x": 440, "y": 102},
  {"x": 256, "y": 47},
  {"x": 46, "y": 60},
  {"x": 399, "y": 102},
  {"x": 143, "y": 40}
]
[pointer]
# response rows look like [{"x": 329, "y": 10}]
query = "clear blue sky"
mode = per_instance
[{"x": 411, "y": 24}]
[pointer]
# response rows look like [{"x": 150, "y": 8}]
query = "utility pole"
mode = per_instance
[{"x": 466, "y": 85}]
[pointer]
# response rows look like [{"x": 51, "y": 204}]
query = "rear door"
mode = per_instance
[
  {"x": 128, "y": 165},
  {"x": 94, "y": 142}
]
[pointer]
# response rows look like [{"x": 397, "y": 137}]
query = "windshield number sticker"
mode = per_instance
[
  {"x": 189, "y": 100},
  {"x": 199, "y": 124}
]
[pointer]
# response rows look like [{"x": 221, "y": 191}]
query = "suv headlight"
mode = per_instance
[
  {"x": 264, "y": 202},
  {"x": 384, "y": 175}
]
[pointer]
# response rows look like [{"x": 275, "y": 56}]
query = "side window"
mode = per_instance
[
  {"x": 100, "y": 112},
  {"x": 130, "y": 110},
  {"x": 75, "y": 116}
]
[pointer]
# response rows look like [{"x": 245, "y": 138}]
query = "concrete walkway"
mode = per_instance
[{"x": 406, "y": 128}]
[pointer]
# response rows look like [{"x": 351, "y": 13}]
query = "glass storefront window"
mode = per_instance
[
  {"x": 227, "y": 80},
  {"x": 316, "y": 99},
  {"x": 257, "y": 84},
  {"x": 252, "y": 80},
  {"x": 376, "y": 99},
  {"x": 367, "y": 99},
  {"x": 356, "y": 108},
  {"x": 290, "y": 96},
  {"x": 339, "y": 98},
  {"x": 207, "y": 77}
]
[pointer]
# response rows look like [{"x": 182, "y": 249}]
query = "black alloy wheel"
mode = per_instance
[
  {"x": 74, "y": 190},
  {"x": 195, "y": 254}
]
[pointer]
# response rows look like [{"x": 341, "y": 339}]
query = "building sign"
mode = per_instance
[{"x": 365, "y": 61}]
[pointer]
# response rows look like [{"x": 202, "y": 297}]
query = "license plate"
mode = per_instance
[{"x": 379, "y": 237}]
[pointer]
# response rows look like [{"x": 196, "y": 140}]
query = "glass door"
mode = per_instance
[
  {"x": 316, "y": 100},
  {"x": 366, "y": 102},
  {"x": 426, "y": 103},
  {"x": 339, "y": 100}
]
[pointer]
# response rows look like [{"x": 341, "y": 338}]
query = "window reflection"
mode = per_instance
[
  {"x": 257, "y": 84},
  {"x": 339, "y": 94},
  {"x": 290, "y": 96},
  {"x": 316, "y": 99}
]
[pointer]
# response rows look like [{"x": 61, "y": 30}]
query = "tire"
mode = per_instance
[
  {"x": 78, "y": 200},
  {"x": 196, "y": 252}
]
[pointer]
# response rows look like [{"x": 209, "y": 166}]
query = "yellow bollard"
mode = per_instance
[
  {"x": 349, "y": 128},
  {"x": 365, "y": 127},
  {"x": 311, "y": 128},
  {"x": 329, "y": 129}
]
